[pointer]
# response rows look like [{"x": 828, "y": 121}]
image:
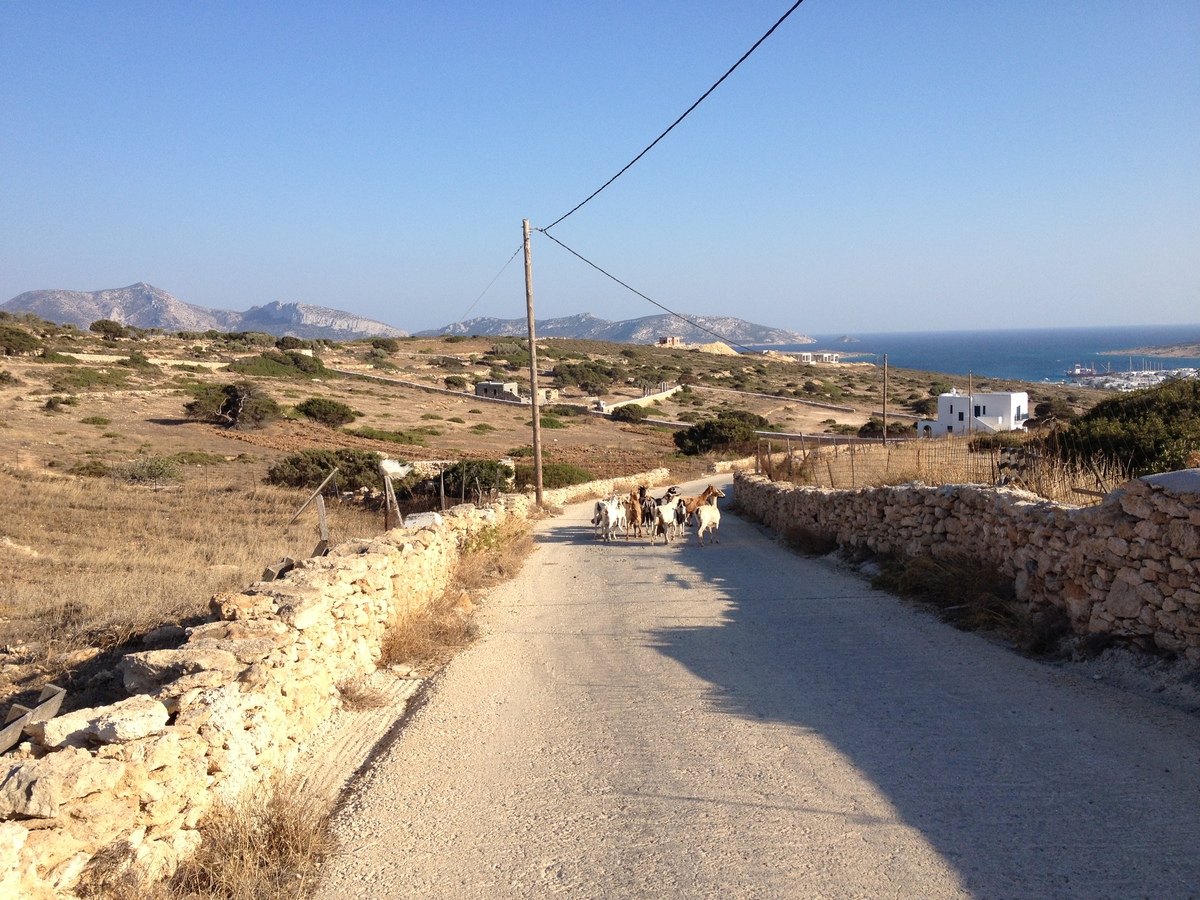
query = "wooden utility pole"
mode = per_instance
[
  {"x": 534, "y": 400},
  {"x": 885, "y": 398}
]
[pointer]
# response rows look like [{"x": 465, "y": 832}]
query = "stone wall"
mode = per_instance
[
  {"x": 228, "y": 708},
  {"x": 1129, "y": 566}
]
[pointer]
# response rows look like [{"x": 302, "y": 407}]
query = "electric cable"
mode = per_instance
[
  {"x": 489, "y": 285},
  {"x": 717, "y": 84},
  {"x": 665, "y": 309}
]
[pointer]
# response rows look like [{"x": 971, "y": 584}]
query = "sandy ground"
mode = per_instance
[{"x": 737, "y": 721}]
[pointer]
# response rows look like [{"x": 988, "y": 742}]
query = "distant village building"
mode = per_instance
[
  {"x": 508, "y": 390},
  {"x": 809, "y": 357},
  {"x": 498, "y": 390},
  {"x": 670, "y": 341},
  {"x": 989, "y": 411}
]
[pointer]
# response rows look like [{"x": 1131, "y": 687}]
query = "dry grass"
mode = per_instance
[
  {"x": 87, "y": 566},
  {"x": 428, "y": 636},
  {"x": 357, "y": 694},
  {"x": 948, "y": 460},
  {"x": 269, "y": 846}
]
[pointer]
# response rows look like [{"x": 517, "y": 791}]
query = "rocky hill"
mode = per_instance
[
  {"x": 646, "y": 330},
  {"x": 145, "y": 306}
]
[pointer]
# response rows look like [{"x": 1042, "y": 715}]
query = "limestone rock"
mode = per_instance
[
  {"x": 129, "y": 720},
  {"x": 147, "y": 670}
]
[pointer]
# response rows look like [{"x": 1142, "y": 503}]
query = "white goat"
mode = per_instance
[
  {"x": 664, "y": 520},
  {"x": 708, "y": 518},
  {"x": 613, "y": 517}
]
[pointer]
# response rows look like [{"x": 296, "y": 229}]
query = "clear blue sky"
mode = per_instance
[{"x": 873, "y": 166}]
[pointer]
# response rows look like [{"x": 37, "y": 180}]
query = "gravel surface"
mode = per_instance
[{"x": 737, "y": 721}]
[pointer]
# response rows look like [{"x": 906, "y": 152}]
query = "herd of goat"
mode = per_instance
[{"x": 668, "y": 515}]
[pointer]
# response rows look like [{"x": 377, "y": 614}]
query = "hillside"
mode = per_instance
[
  {"x": 145, "y": 306},
  {"x": 646, "y": 330}
]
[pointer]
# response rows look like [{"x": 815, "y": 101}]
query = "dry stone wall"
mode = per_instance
[
  {"x": 1129, "y": 566},
  {"x": 227, "y": 709}
]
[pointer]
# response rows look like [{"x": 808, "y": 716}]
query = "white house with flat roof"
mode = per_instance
[{"x": 981, "y": 412}]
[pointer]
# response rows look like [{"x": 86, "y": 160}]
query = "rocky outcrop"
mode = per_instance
[
  {"x": 226, "y": 710},
  {"x": 646, "y": 330},
  {"x": 145, "y": 306},
  {"x": 1128, "y": 567}
]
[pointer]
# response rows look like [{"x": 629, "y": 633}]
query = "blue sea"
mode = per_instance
[{"x": 1025, "y": 354}]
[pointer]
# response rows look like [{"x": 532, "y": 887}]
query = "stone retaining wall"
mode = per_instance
[
  {"x": 1130, "y": 566},
  {"x": 226, "y": 710}
]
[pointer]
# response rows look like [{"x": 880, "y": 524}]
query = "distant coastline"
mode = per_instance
[
  {"x": 1019, "y": 354},
  {"x": 1170, "y": 351}
]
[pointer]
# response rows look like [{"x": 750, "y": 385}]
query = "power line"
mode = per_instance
[
  {"x": 490, "y": 283},
  {"x": 677, "y": 121},
  {"x": 665, "y": 309}
]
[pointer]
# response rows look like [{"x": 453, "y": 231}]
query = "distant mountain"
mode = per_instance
[
  {"x": 646, "y": 330},
  {"x": 145, "y": 306}
]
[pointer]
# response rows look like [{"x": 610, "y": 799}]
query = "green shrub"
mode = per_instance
[
  {"x": 482, "y": 428},
  {"x": 328, "y": 412},
  {"x": 84, "y": 379},
  {"x": 308, "y": 468},
  {"x": 550, "y": 422},
  {"x": 1155, "y": 430},
  {"x": 242, "y": 405},
  {"x": 554, "y": 475},
  {"x": 93, "y": 468},
  {"x": 138, "y": 360},
  {"x": 455, "y": 382},
  {"x": 108, "y": 329},
  {"x": 17, "y": 341},
  {"x": 149, "y": 469},
  {"x": 460, "y": 478},
  {"x": 282, "y": 364},
  {"x": 415, "y": 438},
  {"x": 54, "y": 404},
  {"x": 631, "y": 412},
  {"x": 730, "y": 428},
  {"x": 387, "y": 345},
  {"x": 96, "y": 420}
]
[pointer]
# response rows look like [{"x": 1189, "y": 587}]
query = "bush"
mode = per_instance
[
  {"x": 729, "y": 429},
  {"x": 282, "y": 364},
  {"x": 149, "y": 469},
  {"x": 1154, "y": 430},
  {"x": 456, "y": 382},
  {"x": 242, "y": 405},
  {"x": 460, "y": 478},
  {"x": 387, "y": 345},
  {"x": 108, "y": 329},
  {"x": 16, "y": 341},
  {"x": 328, "y": 412},
  {"x": 554, "y": 475},
  {"x": 308, "y": 468},
  {"x": 631, "y": 412},
  {"x": 96, "y": 420},
  {"x": 138, "y": 360}
]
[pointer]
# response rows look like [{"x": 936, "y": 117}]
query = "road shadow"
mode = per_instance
[{"x": 1026, "y": 779}]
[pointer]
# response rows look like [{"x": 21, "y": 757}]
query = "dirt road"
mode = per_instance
[{"x": 736, "y": 721}]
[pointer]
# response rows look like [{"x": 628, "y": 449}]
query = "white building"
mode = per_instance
[{"x": 981, "y": 412}]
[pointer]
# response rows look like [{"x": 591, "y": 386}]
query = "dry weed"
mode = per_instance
[
  {"x": 268, "y": 846},
  {"x": 430, "y": 635},
  {"x": 355, "y": 693}
]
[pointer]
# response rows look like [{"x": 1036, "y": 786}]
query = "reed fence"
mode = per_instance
[{"x": 1032, "y": 462}]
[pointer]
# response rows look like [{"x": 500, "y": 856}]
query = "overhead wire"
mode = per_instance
[
  {"x": 634, "y": 290},
  {"x": 520, "y": 247},
  {"x": 703, "y": 96}
]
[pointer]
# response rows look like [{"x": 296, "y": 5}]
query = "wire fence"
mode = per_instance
[{"x": 1044, "y": 465}]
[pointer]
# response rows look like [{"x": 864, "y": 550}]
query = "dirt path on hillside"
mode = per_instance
[{"x": 736, "y": 721}]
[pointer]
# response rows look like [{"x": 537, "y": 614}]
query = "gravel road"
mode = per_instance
[{"x": 737, "y": 721}]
